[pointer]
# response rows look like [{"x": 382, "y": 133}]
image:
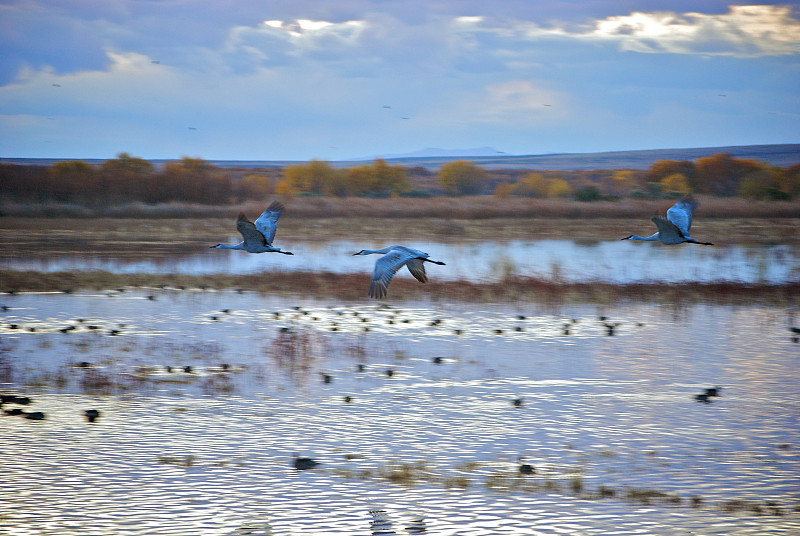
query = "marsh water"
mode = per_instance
[
  {"x": 566, "y": 260},
  {"x": 420, "y": 413},
  {"x": 430, "y": 441}
]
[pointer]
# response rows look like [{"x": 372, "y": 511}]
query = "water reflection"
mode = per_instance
[
  {"x": 609, "y": 423},
  {"x": 613, "y": 261}
]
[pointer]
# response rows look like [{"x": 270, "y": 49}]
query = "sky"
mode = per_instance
[{"x": 335, "y": 80}]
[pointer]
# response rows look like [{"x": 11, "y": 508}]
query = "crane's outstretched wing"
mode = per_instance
[
  {"x": 385, "y": 268},
  {"x": 267, "y": 223},
  {"x": 249, "y": 232},
  {"x": 417, "y": 268},
  {"x": 668, "y": 232},
  {"x": 680, "y": 215}
]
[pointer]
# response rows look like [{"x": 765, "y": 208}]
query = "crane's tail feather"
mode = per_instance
[{"x": 377, "y": 290}]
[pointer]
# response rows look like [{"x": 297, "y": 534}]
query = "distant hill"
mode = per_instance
[
  {"x": 777, "y": 154},
  {"x": 435, "y": 152}
]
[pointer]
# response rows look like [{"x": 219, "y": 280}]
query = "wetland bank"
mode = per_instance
[{"x": 209, "y": 383}]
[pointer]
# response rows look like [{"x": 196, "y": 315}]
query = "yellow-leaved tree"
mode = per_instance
[
  {"x": 677, "y": 182},
  {"x": 378, "y": 179},
  {"x": 462, "y": 177},
  {"x": 317, "y": 177}
]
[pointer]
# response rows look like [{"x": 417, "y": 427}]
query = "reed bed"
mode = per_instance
[
  {"x": 28, "y": 236},
  {"x": 354, "y": 287},
  {"x": 467, "y": 207}
]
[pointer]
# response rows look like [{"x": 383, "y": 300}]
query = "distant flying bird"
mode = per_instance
[
  {"x": 56, "y": 85},
  {"x": 675, "y": 228},
  {"x": 258, "y": 236},
  {"x": 394, "y": 258},
  {"x": 192, "y": 128}
]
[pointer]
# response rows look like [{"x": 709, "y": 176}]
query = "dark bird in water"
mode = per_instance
[
  {"x": 91, "y": 414},
  {"x": 610, "y": 328},
  {"x": 14, "y": 399},
  {"x": 527, "y": 469},
  {"x": 301, "y": 464},
  {"x": 517, "y": 402},
  {"x": 702, "y": 397},
  {"x": 34, "y": 416}
]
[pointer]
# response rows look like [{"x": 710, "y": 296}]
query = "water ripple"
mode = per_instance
[{"x": 608, "y": 422}]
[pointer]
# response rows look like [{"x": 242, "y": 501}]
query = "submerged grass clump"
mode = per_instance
[
  {"x": 352, "y": 287},
  {"x": 185, "y": 461},
  {"x": 568, "y": 480}
]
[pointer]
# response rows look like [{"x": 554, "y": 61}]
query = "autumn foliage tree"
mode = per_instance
[
  {"x": 378, "y": 179},
  {"x": 462, "y": 177},
  {"x": 71, "y": 181},
  {"x": 255, "y": 186},
  {"x": 721, "y": 174},
  {"x": 676, "y": 182},
  {"x": 192, "y": 180},
  {"x": 317, "y": 177},
  {"x": 126, "y": 177}
]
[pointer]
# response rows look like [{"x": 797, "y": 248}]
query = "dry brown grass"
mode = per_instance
[
  {"x": 470, "y": 207},
  {"x": 354, "y": 286},
  {"x": 28, "y": 236}
]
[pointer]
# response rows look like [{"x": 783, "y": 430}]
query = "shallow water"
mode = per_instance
[
  {"x": 613, "y": 261},
  {"x": 436, "y": 445}
]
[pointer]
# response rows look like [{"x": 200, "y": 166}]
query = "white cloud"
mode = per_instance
[
  {"x": 273, "y": 39},
  {"x": 509, "y": 100},
  {"x": 744, "y": 31},
  {"x": 294, "y": 80}
]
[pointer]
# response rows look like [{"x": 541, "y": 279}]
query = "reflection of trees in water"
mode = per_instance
[
  {"x": 6, "y": 362},
  {"x": 294, "y": 350}
]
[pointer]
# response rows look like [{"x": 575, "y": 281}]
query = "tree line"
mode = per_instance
[{"x": 127, "y": 179}]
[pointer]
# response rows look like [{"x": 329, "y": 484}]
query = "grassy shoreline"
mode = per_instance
[
  {"x": 352, "y": 287},
  {"x": 29, "y": 236},
  {"x": 441, "y": 207}
]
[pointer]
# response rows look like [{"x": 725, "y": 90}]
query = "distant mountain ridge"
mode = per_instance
[
  {"x": 785, "y": 154},
  {"x": 435, "y": 152},
  {"x": 776, "y": 154}
]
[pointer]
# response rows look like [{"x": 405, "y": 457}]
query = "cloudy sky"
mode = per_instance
[{"x": 266, "y": 80}]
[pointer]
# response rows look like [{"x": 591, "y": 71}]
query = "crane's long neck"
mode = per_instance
[
  {"x": 652, "y": 238},
  {"x": 387, "y": 249},
  {"x": 240, "y": 245}
]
